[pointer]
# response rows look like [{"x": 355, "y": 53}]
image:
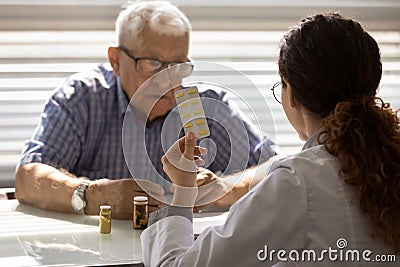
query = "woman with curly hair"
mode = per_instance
[{"x": 335, "y": 202}]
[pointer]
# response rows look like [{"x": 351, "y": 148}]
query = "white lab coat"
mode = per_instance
[{"x": 303, "y": 204}]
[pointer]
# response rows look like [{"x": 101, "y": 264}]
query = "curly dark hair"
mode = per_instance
[{"x": 334, "y": 69}]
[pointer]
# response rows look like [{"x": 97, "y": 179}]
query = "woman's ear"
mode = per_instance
[
  {"x": 291, "y": 100},
  {"x": 113, "y": 58}
]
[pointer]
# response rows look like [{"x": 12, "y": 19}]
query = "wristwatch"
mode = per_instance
[{"x": 78, "y": 201}]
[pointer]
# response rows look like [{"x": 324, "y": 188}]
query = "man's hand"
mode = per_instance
[
  {"x": 214, "y": 191},
  {"x": 119, "y": 194},
  {"x": 237, "y": 191},
  {"x": 222, "y": 194},
  {"x": 46, "y": 187},
  {"x": 205, "y": 176}
]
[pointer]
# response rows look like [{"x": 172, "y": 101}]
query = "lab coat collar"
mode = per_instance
[{"x": 313, "y": 140}]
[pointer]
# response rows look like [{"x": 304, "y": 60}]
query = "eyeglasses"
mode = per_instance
[
  {"x": 150, "y": 66},
  {"x": 277, "y": 92}
]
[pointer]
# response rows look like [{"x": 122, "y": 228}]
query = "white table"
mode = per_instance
[{"x": 33, "y": 237}]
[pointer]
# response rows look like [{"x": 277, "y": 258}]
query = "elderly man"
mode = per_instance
[{"x": 75, "y": 160}]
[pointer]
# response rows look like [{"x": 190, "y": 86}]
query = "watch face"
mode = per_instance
[{"x": 77, "y": 202}]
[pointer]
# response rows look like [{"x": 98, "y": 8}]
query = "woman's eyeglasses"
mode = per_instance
[
  {"x": 277, "y": 92},
  {"x": 150, "y": 66}
]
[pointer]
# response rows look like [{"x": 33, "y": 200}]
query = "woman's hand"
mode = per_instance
[{"x": 181, "y": 160}]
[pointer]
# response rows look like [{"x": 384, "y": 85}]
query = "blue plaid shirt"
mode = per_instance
[{"x": 80, "y": 130}]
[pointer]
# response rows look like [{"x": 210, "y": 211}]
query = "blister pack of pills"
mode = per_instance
[{"x": 191, "y": 112}]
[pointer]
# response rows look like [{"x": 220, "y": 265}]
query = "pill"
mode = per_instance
[{"x": 191, "y": 111}]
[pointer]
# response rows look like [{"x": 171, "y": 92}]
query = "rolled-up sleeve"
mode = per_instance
[{"x": 58, "y": 138}]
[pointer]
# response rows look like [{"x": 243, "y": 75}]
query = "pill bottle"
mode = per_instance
[
  {"x": 105, "y": 219},
  {"x": 140, "y": 212}
]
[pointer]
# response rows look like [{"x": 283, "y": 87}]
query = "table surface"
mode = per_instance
[{"x": 33, "y": 237}]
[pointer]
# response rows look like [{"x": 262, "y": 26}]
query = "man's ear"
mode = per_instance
[{"x": 113, "y": 58}]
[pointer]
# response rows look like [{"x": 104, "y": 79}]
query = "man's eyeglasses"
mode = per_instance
[
  {"x": 150, "y": 66},
  {"x": 276, "y": 91}
]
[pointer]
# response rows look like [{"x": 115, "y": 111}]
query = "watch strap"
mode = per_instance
[
  {"x": 82, "y": 187},
  {"x": 80, "y": 192}
]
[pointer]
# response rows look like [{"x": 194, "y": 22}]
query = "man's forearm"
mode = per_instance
[
  {"x": 238, "y": 184},
  {"x": 253, "y": 175},
  {"x": 45, "y": 187}
]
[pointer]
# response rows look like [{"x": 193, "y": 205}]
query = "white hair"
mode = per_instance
[{"x": 160, "y": 16}]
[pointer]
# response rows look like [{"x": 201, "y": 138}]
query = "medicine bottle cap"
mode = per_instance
[
  {"x": 140, "y": 199},
  {"x": 105, "y": 207}
]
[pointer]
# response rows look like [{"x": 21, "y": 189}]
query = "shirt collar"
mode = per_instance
[
  {"x": 122, "y": 99},
  {"x": 110, "y": 80}
]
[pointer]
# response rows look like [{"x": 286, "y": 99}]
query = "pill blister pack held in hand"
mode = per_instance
[{"x": 191, "y": 112}]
